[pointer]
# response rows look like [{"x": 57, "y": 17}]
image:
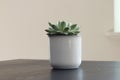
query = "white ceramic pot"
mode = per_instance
[{"x": 65, "y": 52}]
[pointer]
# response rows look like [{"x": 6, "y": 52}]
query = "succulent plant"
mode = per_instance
[{"x": 62, "y": 28}]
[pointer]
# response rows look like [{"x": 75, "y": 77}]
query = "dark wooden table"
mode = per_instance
[{"x": 41, "y": 70}]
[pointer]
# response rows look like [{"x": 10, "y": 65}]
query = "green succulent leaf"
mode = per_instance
[
  {"x": 62, "y": 28},
  {"x": 73, "y": 26},
  {"x": 66, "y": 29},
  {"x": 77, "y": 28},
  {"x": 47, "y": 30},
  {"x": 59, "y": 24},
  {"x": 53, "y": 26},
  {"x": 51, "y": 29},
  {"x": 63, "y": 24}
]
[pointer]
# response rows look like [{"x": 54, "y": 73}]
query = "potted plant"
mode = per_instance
[{"x": 65, "y": 45}]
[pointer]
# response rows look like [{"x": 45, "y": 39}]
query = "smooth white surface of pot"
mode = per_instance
[{"x": 65, "y": 52}]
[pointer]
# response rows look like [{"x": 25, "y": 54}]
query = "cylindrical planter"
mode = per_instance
[{"x": 65, "y": 52}]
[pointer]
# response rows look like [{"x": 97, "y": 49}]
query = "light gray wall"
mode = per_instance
[{"x": 22, "y": 24}]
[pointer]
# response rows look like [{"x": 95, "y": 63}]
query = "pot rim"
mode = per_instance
[{"x": 78, "y": 35}]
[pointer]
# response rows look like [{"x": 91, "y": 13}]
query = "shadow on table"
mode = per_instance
[{"x": 75, "y": 74}]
